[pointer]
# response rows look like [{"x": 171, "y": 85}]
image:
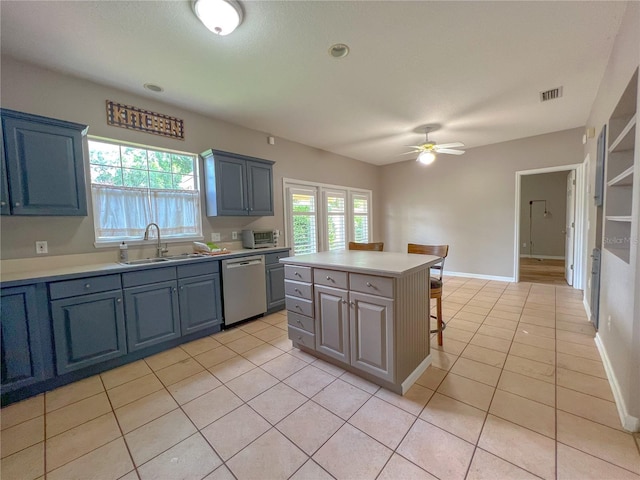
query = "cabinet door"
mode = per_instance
[
  {"x": 260, "y": 188},
  {"x": 45, "y": 167},
  {"x": 4, "y": 186},
  {"x": 21, "y": 353},
  {"x": 152, "y": 314},
  {"x": 200, "y": 303},
  {"x": 231, "y": 187},
  {"x": 332, "y": 322},
  {"x": 372, "y": 334},
  {"x": 275, "y": 287},
  {"x": 88, "y": 329}
]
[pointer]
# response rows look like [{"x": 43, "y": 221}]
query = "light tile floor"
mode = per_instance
[{"x": 517, "y": 391}]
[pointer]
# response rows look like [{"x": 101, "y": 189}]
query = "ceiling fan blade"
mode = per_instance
[
  {"x": 450, "y": 145},
  {"x": 448, "y": 150},
  {"x": 408, "y": 153},
  {"x": 413, "y": 146}
]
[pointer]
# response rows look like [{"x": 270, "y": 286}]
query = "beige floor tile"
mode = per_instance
[
  {"x": 599, "y": 441},
  {"x": 262, "y": 354},
  {"x": 76, "y": 414},
  {"x": 148, "y": 408},
  {"x": 254, "y": 326},
  {"x": 427, "y": 446},
  {"x": 432, "y": 378},
  {"x": 328, "y": 367},
  {"x": 277, "y": 402},
  {"x": 499, "y": 344},
  {"x": 485, "y": 355},
  {"x": 80, "y": 440},
  {"x": 231, "y": 433},
  {"x": 582, "y": 365},
  {"x": 220, "y": 473},
  {"x": 571, "y": 310},
  {"x": 22, "y": 436},
  {"x": 535, "y": 341},
  {"x": 282, "y": 342},
  {"x": 215, "y": 356},
  {"x": 501, "y": 323},
  {"x": 275, "y": 317},
  {"x": 574, "y": 337},
  {"x": 442, "y": 360},
  {"x": 311, "y": 470},
  {"x": 359, "y": 382},
  {"x": 22, "y": 411},
  {"x": 191, "y": 458},
  {"x": 159, "y": 435},
  {"x": 530, "y": 368},
  {"x": 584, "y": 328},
  {"x": 465, "y": 325},
  {"x": 192, "y": 387},
  {"x": 231, "y": 335},
  {"x": 270, "y": 332},
  {"x": 244, "y": 344},
  {"x": 74, "y": 392},
  {"x": 257, "y": 460},
  {"x": 545, "y": 320},
  {"x": 166, "y": 358},
  {"x": 520, "y": 446},
  {"x": 283, "y": 366},
  {"x": 413, "y": 401},
  {"x": 251, "y": 384},
  {"x": 466, "y": 390},
  {"x": 535, "y": 312},
  {"x": 533, "y": 353},
  {"x": 502, "y": 307},
  {"x": 479, "y": 310},
  {"x": 134, "y": 390},
  {"x": 511, "y": 301},
  {"x": 199, "y": 346},
  {"x": 478, "y": 371},
  {"x": 574, "y": 464},
  {"x": 510, "y": 316},
  {"x": 452, "y": 333},
  {"x": 211, "y": 406},
  {"x": 576, "y": 319},
  {"x": 125, "y": 374},
  {"x": 232, "y": 368},
  {"x": 486, "y": 466},
  {"x": 537, "y": 330},
  {"x": 178, "y": 371},
  {"x": 400, "y": 468},
  {"x": 383, "y": 421},
  {"x": 588, "y": 406},
  {"x": 596, "y": 386},
  {"x": 349, "y": 453},
  {"x": 585, "y": 351},
  {"x": 454, "y": 347},
  {"x": 455, "y": 417},
  {"x": 310, "y": 380},
  {"x": 469, "y": 317},
  {"x": 524, "y": 412},
  {"x": 26, "y": 464},
  {"x": 310, "y": 426},
  {"x": 496, "y": 332},
  {"x": 541, "y": 392},
  {"x": 108, "y": 462},
  {"x": 342, "y": 398}
]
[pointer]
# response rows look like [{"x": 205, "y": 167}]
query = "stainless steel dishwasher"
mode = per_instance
[{"x": 244, "y": 288}]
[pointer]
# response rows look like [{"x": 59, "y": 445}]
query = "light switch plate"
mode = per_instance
[
  {"x": 42, "y": 247},
  {"x": 215, "y": 237},
  {"x": 234, "y": 235}
]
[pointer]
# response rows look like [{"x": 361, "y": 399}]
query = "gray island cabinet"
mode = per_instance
[{"x": 367, "y": 312}]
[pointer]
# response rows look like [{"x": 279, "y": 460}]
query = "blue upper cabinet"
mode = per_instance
[
  {"x": 43, "y": 166},
  {"x": 237, "y": 185}
]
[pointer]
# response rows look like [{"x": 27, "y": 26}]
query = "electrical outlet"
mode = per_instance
[
  {"x": 234, "y": 235},
  {"x": 42, "y": 247},
  {"x": 215, "y": 237},
  {"x": 524, "y": 245}
]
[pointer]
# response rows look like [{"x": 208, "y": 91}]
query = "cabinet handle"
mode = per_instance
[
  {"x": 329, "y": 278},
  {"x": 297, "y": 290},
  {"x": 300, "y": 338},
  {"x": 2, "y": 204},
  {"x": 87, "y": 285},
  {"x": 119, "y": 300},
  {"x": 353, "y": 304},
  {"x": 369, "y": 284},
  {"x": 297, "y": 274},
  {"x": 344, "y": 301},
  {"x": 298, "y": 320},
  {"x": 175, "y": 289},
  {"x": 17, "y": 204},
  {"x": 182, "y": 287}
]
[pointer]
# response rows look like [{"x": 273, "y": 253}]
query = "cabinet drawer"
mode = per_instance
[
  {"x": 83, "y": 286},
  {"x": 270, "y": 258},
  {"x": 144, "y": 277},
  {"x": 298, "y": 289},
  {"x": 293, "y": 272},
  {"x": 371, "y": 284},
  {"x": 197, "y": 269},
  {"x": 299, "y": 305},
  {"x": 330, "y": 278},
  {"x": 300, "y": 321},
  {"x": 300, "y": 337}
]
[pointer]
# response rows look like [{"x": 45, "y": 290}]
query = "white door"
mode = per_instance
[{"x": 570, "y": 228}]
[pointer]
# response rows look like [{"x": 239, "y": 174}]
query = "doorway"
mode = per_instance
[{"x": 549, "y": 226}]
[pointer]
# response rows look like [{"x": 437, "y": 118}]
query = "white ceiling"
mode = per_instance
[{"x": 475, "y": 68}]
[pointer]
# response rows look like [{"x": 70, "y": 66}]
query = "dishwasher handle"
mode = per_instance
[{"x": 243, "y": 262}]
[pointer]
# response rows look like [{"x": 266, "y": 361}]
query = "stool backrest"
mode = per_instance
[
  {"x": 438, "y": 250},
  {"x": 374, "y": 246}
]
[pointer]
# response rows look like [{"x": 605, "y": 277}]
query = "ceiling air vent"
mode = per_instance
[{"x": 550, "y": 94}]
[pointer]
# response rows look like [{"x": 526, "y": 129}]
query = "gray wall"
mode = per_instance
[
  {"x": 35, "y": 90},
  {"x": 547, "y": 233},
  {"x": 468, "y": 201}
]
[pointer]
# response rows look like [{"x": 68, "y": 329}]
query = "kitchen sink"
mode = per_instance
[{"x": 147, "y": 261}]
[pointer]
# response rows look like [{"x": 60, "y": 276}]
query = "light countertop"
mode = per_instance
[{"x": 389, "y": 264}]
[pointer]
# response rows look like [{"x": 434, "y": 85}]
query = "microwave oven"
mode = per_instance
[{"x": 258, "y": 238}]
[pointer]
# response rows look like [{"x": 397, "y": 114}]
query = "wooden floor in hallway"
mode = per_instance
[{"x": 542, "y": 270}]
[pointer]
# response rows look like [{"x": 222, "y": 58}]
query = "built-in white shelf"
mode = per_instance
[
  {"x": 626, "y": 139},
  {"x": 625, "y": 179},
  {"x": 619, "y": 218}
]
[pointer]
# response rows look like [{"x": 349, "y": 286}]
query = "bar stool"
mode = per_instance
[
  {"x": 375, "y": 246},
  {"x": 436, "y": 283}
]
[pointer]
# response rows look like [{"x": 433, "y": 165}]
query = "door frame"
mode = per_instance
[{"x": 579, "y": 254}]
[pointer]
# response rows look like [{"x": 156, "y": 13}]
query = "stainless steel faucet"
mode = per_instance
[{"x": 159, "y": 249}]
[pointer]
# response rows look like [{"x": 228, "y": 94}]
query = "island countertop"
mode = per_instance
[{"x": 389, "y": 264}]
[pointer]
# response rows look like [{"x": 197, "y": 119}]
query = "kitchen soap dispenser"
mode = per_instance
[{"x": 124, "y": 253}]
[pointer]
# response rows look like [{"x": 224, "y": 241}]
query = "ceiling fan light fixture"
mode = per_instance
[
  {"x": 220, "y": 16},
  {"x": 426, "y": 158}
]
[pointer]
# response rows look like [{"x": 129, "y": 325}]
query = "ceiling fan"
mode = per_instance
[{"x": 428, "y": 149}]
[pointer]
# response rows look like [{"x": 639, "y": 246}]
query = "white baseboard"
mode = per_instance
[
  {"x": 479, "y": 275},
  {"x": 415, "y": 375},
  {"x": 629, "y": 422},
  {"x": 586, "y": 306},
  {"x": 543, "y": 257}
]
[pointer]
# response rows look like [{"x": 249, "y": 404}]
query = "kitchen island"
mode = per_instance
[{"x": 367, "y": 312}]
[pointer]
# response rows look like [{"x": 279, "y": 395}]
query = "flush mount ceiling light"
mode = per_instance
[
  {"x": 220, "y": 16},
  {"x": 339, "y": 50},
  {"x": 153, "y": 87},
  {"x": 426, "y": 158}
]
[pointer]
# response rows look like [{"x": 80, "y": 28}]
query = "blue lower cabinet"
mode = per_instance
[
  {"x": 21, "y": 352},
  {"x": 152, "y": 313},
  {"x": 275, "y": 287},
  {"x": 200, "y": 305},
  {"x": 88, "y": 329}
]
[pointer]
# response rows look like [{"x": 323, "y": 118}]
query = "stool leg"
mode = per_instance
[{"x": 439, "y": 309}]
